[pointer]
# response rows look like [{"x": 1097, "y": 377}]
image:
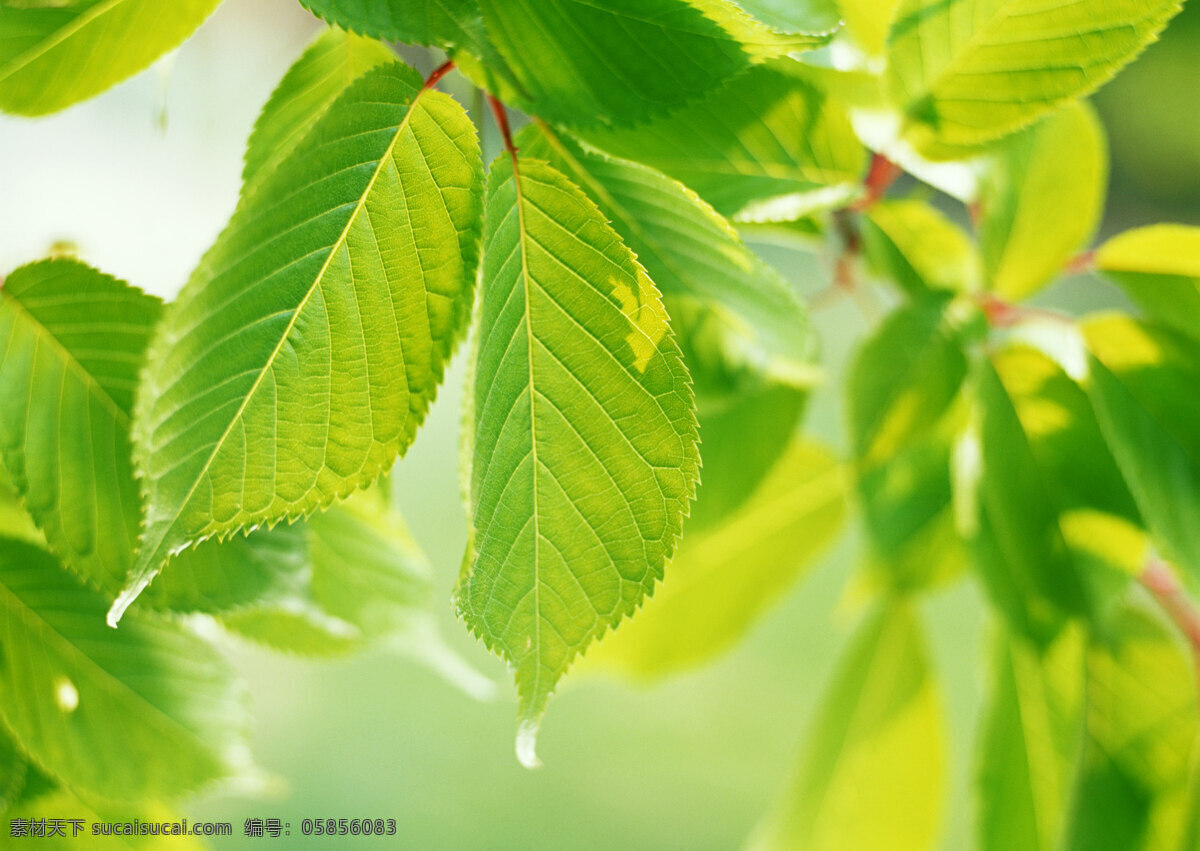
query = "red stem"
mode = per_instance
[
  {"x": 1002, "y": 314},
  {"x": 439, "y": 72},
  {"x": 1161, "y": 582},
  {"x": 501, "y": 117},
  {"x": 1081, "y": 263},
  {"x": 880, "y": 177}
]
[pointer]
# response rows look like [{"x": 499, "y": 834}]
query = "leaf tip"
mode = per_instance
[{"x": 527, "y": 744}]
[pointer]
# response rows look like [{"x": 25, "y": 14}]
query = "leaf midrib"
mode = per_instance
[
  {"x": 338, "y": 244},
  {"x": 23, "y": 60}
]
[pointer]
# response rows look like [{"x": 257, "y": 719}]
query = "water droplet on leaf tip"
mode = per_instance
[{"x": 527, "y": 745}]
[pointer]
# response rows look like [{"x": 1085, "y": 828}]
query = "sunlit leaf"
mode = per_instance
[
  {"x": 1140, "y": 739},
  {"x": 692, "y": 255},
  {"x": 874, "y": 769},
  {"x": 1041, "y": 200},
  {"x": 770, "y": 134},
  {"x": 1032, "y": 738},
  {"x": 326, "y": 69},
  {"x": 439, "y": 23},
  {"x": 907, "y": 375},
  {"x": 964, "y": 72},
  {"x": 867, "y": 22},
  {"x": 142, "y": 713},
  {"x": 724, "y": 577},
  {"x": 1044, "y": 459},
  {"x": 53, "y": 54},
  {"x": 303, "y": 354},
  {"x": 624, "y": 61},
  {"x": 1159, "y": 268},
  {"x": 1142, "y": 381},
  {"x": 915, "y": 245},
  {"x": 66, "y": 326},
  {"x": 583, "y": 433},
  {"x": 798, "y": 16}
]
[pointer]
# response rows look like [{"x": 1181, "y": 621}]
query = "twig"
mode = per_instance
[
  {"x": 880, "y": 177},
  {"x": 437, "y": 73},
  {"x": 501, "y": 116}
]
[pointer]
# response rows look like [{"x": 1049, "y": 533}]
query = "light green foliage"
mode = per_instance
[
  {"x": 1159, "y": 268},
  {"x": 867, "y": 22},
  {"x": 146, "y": 712},
  {"x": 1142, "y": 381},
  {"x": 965, "y": 72},
  {"x": 1031, "y": 742},
  {"x": 877, "y": 747},
  {"x": 284, "y": 377},
  {"x": 1050, "y": 492},
  {"x": 1041, "y": 200},
  {"x": 907, "y": 376},
  {"x": 322, "y": 73},
  {"x": 794, "y": 16},
  {"x": 770, "y": 134},
  {"x": 724, "y": 577},
  {"x": 917, "y": 246},
  {"x": 692, "y": 255},
  {"x": 54, "y": 54},
  {"x": 583, "y": 429},
  {"x": 13, "y": 769},
  {"x": 68, "y": 326},
  {"x": 1140, "y": 739}
]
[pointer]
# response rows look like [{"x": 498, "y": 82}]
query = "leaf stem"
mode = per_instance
[
  {"x": 436, "y": 75},
  {"x": 501, "y": 116},
  {"x": 881, "y": 175},
  {"x": 1004, "y": 314},
  {"x": 1160, "y": 580},
  {"x": 1080, "y": 263}
]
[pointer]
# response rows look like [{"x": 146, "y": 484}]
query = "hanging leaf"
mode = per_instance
[
  {"x": 322, "y": 73},
  {"x": 874, "y": 769},
  {"x": 725, "y": 577},
  {"x": 143, "y": 713},
  {"x": 768, "y": 135},
  {"x": 583, "y": 433},
  {"x": 1140, "y": 739},
  {"x": 1142, "y": 381},
  {"x": 435, "y": 23},
  {"x": 1045, "y": 467},
  {"x": 965, "y": 72},
  {"x": 66, "y": 326},
  {"x": 1041, "y": 199},
  {"x": 692, "y": 255},
  {"x": 915, "y": 245},
  {"x": 1159, "y": 268},
  {"x": 54, "y": 54},
  {"x": 1032, "y": 740},
  {"x": 303, "y": 354}
]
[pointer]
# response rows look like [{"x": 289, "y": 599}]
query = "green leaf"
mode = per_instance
[
  {"x": 1159, "y": 268},
  {"x": 322, "y": 73},
  {"x": 874, "y": 771},
  {"x": 724, "y": 577},
  {"x": 1041, "y": 199},
  {"x": 1140, "y": 739},
  {"x": 908, "y": 515},
  {"x": 1049, "y": 489},
  {"x": 584, "y": 441},
  {"x": 1031, "y": 742},
  {"x": 692, "y": 255},
  {"x": 917, "y": 247},
  {"x": 143, "y": 713},
  {"x": 436, "y": 23},
  {"x": 907, "y": 375},
  {"x": 770, "y": 135},
  {"x": 54, "y": 54},
  {"x": 13, "y": 769},
  {"x": 284, "y": 378},
  {"x": 73, "y": 341},
  {"x": 867, "y": 22},
  {"x": 624, "y": 61},
  {"x": 1142, "y": 381},
  {"x": 965, "y": 72}
]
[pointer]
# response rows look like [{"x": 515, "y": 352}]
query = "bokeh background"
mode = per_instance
[{"x": 141, "y": 179}]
